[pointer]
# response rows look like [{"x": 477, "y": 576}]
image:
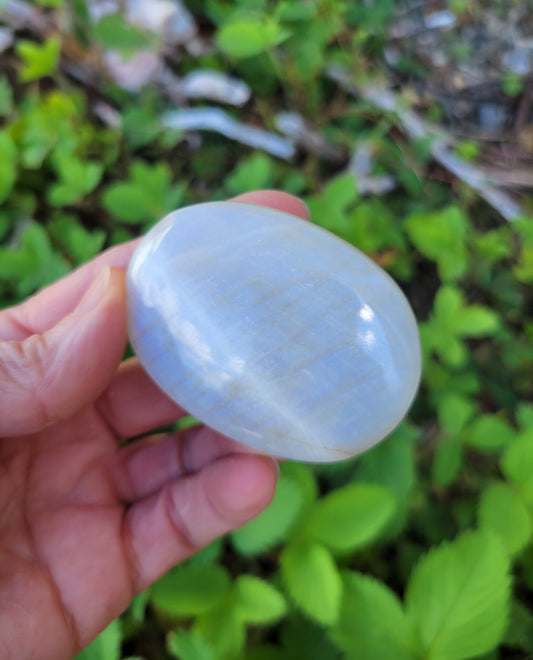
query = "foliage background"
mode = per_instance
[{"x": 420, "y": 548}]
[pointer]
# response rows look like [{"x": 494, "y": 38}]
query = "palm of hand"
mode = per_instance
[{"x": 61, "y": 534}]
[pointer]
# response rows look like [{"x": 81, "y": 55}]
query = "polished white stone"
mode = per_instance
[{"x": 272, "y": 330}]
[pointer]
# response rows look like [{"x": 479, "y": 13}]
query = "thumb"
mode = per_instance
[{"x": 48, "y": 377}]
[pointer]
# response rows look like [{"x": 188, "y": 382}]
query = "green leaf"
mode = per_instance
[
  {"x": 458, "y": 597},
  {"x": 114, "y": 33},
  {"x": 468, "y": 149},
  {"x": 251, "y": 36},
  {"x": 106, "y": 646},
  {"x": 440, "y": 236},
  {"x": 476, "y": 321},
  {"x": 79, "y": 243},
  {"x": 187, "y": 645},
  {"x": 520, "y": 631},
  {"x": 489, "y": 433},
  {"x": 330, "y": 208},
  {"x": 312, "y": 580},
  {"x": 266, "y": 652},
  {"x": 138, "y": 605},
  {"x": 18, "y": 263},
  {"x": 286, "y": 10},
  {"x": 524, "y": 415},
  {"x": 502, "y": 511},
  {"x": 440, "y": 379},
  {"x": 209, "y": 554},
  {"x": 191, "y": 590},
  {"x": 38, "y": 60},
  {"x": 454, "y": 411},
  {"x": 147, "y": 196},
  {"x": 308, "y": 47},
  {"x": 494, "y": 245},
  {"x": 128, "y": 203},
  {"x": 453, "y": 318},
  {"x": 33, "y": 263},
  {"x": 76, "y": 179},
  {"x": 442, "y": 333},
  {"x": 351, "y": 516},
  {"x": 272, "y": 525},
  {"x": 223, "y": 630},
  {"x": 526, "y": 491},
  {"x": 304, "y": 476},
  {"x": 140, "y": 126},
  {"x": 448, "y": 304},
  {"x": 303, "y": 638},
  {"x": 374, "y": 227},
  {"x": 391, "y": 464},
  {"x": 453, "y": 352},
  {"x": 53, "y": 124},
  {"x": 523, "y": 270},
  {"x": 8, "y": 165},
  {"x": 6, "y": 97},
  {"x": 512, "y": 83},
  {"x": 5, "y": 224},
  {"x": 258, "y": 602},
  {"x": 372, "y": 624},
  {"x": 447, "y": 462},
  {"x": 517, "y": 460},
  {"x": 253, "y": 173}
]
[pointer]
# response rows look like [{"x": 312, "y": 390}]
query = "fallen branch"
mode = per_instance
[
  {"x": 417, "y": 128},
  {"x": 215, "y": 119}
]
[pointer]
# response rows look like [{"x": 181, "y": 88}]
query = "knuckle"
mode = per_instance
[
  {"x": 178, "y": 520},
  {"x": 23, "y": 372}
]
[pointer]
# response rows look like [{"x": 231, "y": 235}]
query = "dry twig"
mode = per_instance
[{"x": 417, "y": 128}]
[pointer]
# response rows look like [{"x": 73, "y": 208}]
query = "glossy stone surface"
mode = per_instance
[{"x": 272, "y": 330}]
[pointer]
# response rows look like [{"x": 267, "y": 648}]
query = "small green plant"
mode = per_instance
[
  {"x": 38, "y": 60},
  {"x": 512, "y": 84},
  {"x": 146, "y": 197}
]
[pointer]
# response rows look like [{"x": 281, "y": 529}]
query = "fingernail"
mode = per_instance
[
  {"x": 306, "y": 206},
  {"x": 94, "y": 293}
]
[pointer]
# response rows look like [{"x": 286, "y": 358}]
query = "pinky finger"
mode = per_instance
[{"x": 187, "y": 514}]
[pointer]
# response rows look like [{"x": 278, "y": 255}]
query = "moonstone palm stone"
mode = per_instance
[{"x": 272, "y": 330}]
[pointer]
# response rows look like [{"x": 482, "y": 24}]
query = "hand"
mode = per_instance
[{"x": 84, "y": 524}]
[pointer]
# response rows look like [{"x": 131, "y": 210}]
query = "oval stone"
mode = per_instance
[{"x": 272, "y": 330}]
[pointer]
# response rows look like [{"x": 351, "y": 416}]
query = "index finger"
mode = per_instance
[{"x": 46, "y": 308}]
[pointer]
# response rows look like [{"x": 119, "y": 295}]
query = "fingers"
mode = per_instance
[
  {"x": 133, "y": 404},
  {"x": 48, "y": 377},
  {"x": 144, "y": 467},
  {"x": 187, "y": 514},
  {"x": 275, "y": 199},
  {"x": 44, "y": 310}
]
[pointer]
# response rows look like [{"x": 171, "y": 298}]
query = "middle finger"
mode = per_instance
[
  {"x": 144, "y": 467},
  {"x": 134, "y": 405}
]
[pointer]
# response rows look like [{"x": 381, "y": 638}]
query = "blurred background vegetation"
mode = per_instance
[{"x": 408, "y": 129}]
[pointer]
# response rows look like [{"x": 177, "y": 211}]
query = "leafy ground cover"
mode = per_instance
[{"x": 420, "y": 548}]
